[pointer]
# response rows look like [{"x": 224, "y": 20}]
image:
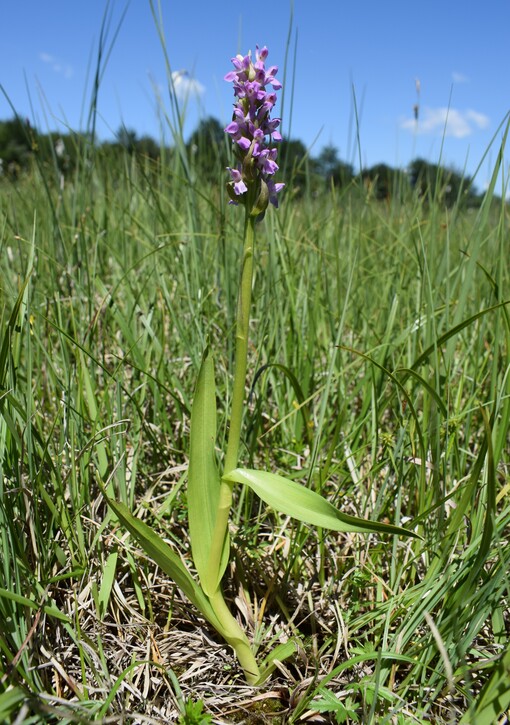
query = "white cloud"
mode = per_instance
[
  {"x": 459, "y": 77},
  {"x": 479, "y": 119},
  {"x": 446, "y": 121},
  {"x": 57, "y": 65},
  {"x": 186, "y": 86}
]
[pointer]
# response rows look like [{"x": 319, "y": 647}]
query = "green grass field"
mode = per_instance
[{"x": 379, "y": 368}]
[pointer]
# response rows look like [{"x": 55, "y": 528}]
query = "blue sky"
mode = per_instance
[{"x": 379, "y": 53}]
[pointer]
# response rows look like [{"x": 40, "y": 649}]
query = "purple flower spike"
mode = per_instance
[{"x": 253, "y": 131}]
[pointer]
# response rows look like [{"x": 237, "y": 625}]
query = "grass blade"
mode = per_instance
[
  {"x": 494, "y": 699},
  {"x": 280, "y": 653},
  {"x": 107, "y": 582},
  {"x": 26, "y": 602},
  {"x": 9, "y": 703}
]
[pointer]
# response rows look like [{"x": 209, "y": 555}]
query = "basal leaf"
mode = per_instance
[
  {"x": 203, "y": 477},
  {"x": 167, "y": 560},
  {"x": 293, "y": 499}
]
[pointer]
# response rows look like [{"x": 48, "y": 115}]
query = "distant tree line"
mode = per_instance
[{"x": 209, "y": 153}]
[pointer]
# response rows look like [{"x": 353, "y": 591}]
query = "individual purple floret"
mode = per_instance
[{"x": 253, "y": 131}]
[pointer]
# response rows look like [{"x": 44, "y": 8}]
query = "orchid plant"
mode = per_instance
[{"x": 211, "y": 482}]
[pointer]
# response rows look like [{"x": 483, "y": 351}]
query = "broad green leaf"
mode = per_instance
[
  {"x": 165, "y": 558},
  {"x": 293, "y": 499},
  {"x": 203, "y": 478}
]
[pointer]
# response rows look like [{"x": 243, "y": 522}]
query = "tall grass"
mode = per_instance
[{"x": 379, "y": 377}]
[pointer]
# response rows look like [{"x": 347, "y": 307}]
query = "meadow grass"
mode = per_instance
[{"x": 379, "y": 376}]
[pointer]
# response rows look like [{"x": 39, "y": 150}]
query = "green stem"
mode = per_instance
[
  {"x": 236, "y": 414},
  {"x": 241, "y": 352},
  {"x": 236, "y": 638},
  {"x": 230, "y": 629}
]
